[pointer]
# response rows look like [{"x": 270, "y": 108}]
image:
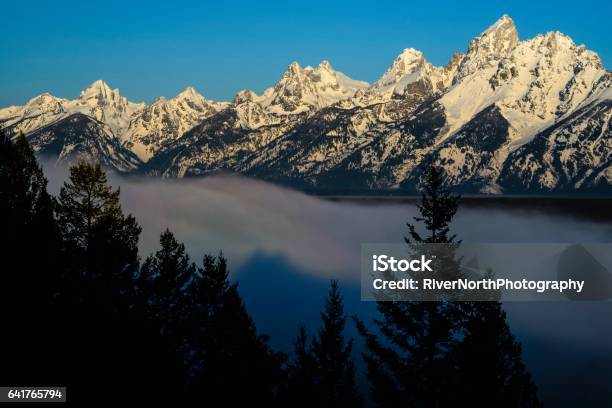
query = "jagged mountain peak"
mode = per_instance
[
  {"x": 99, "y": 89},
  {"x": 189, "y": 93},
  {"x": 43, "y": 99},
  {"x": 99, "y": 84},
  {"x": 105, "y": 104},
  {"x": 325, "y": 65},
  {"x": 44, "y": 104},
  {"x": 508, "y": 115},
  {"x": 99, "y": 93},
  {"x": 293, "y": 70},
  {"x": 555, "y": 42},
  {"x": 504, "y": 23},
  {"x": 493, "y": 44},
  {"x": 409, "y": 61},
  {"x": 244, "y": 95},
  {"x": 305, "y": 89},
  {"x": 160, "y": 100},
  {"x": 409, "y": 56}
]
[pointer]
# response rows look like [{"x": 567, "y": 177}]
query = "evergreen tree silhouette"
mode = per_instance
[
  {"x": 107, "y": 337},
  {"x": 335, "y": 372},
  {"x": 30, "y": 276},
  {"x": 489, "y": 361},
  {"x": 28, "y": 221},
  {"x": 232, "y": 363},
  {"x": 301, "y": 373},
  {"x": 162, "y": 286},
  {"x": 100, "y": 241},
  {"x": 432, "y": 347}
]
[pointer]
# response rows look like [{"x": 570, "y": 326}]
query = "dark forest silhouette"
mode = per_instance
[
  {"x": 80, "y": 309},
  {"x": 444, "y": 353}
]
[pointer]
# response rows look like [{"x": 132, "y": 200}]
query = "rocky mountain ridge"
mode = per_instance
[{"x": 509, "y": 115}]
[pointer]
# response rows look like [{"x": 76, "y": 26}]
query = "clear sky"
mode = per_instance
[{"x": 148, "y": 49}]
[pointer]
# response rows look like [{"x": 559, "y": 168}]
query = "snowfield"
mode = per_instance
[{"x": 507, "y": 116}]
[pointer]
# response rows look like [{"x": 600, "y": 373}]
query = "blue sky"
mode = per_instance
[{"x": 148, "y": 49}]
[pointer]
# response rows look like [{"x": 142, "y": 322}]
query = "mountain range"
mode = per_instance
[{"x": 507, "y": 116}]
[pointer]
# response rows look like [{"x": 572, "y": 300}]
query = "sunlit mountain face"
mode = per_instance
[{"x": 507, "y": 116}]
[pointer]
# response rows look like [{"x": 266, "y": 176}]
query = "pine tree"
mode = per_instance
[
  {"x": 27, "y": 221},
  {"x": 437, "y": 208},
  {"x": 163, "y": 281},
  {"x": 101, "y": 242},
  {"x": 489, "y": 361},
  {"x": 59, "y": 334},
  {"x": 335, "y": 372},
  {"x": 415, "y": 368},
  {"x": 30, "y": 277},
  {"x": 433, "y": 347},
  {"x": 226, "y": 348},
  {"x": 301, "y": 373}
]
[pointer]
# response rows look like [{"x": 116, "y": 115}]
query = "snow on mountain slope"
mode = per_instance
[
  {"x": 307, "y": 89},
  {"x": 38, "y": 111},
  {"x": 219, "y": 142},
  {"x": 473, "y": 156},
  {"x": 252, "y": 121},
  {"x": 574, "y": 154},
  {"x": 409, "y": 75},
  {"x": 105, "y": 105},
  {"x": 328, "y": 137},
  {"x": 165, "y": 120},
  {"x": 411, "y": 67},
  {"x": 489, "y": 47},
  {"x": 81, "y": 137},
  {"x": 526, "y": 86},
  {"x": 509, "y": 115},
  {"x": 468, "y": 117},
  {"x": 98, "y": 101},
  {"x": 144, "y": 129},
  {"x": 338, "y": 148},
  {"x": 533, "y": 82}
]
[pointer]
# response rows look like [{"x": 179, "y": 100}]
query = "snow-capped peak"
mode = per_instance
[
  {"x": 533, "y": 82},
  {"x": 37, "y": 112},
  {"x": 167, "y": 119},
  {"x": 409, "y": 75},
  {"x": 245, "y": 95},
  {"x": 98, "y": 87},
  {"x": 189, "y": 93},
  {"x": 293, "y": 70},
  {"x": 503, "y": 23},
  {"x": 106, "y": 105},
  {"x": 494, "y": 43},
  {"x": 326, "y": 78},
  {"x": 409, "y": 61},
  {"x": 99, "y": 93},
  {"x": 43, "y": 103},
  {"x": 304, "y": 89},
  {"x": 325, "y": 65}
]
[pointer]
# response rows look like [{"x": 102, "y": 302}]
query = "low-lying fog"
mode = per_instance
[{"x": 283, "y": 246}]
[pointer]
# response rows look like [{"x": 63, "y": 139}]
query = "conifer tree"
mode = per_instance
[
  {"x": 28, "y": 222},
  {"x": 335, "y": 371},
  {"x": 415, "y": 367},
  {"x": 301, "y": 373},
  {"x": 101, "y": 242},
  {"x": 488, "y": 359},
  {"x": 432, "y": 347},
  {"x": 163, "y": 281},
  {"x": 30, "y": 273},
  {"x": 226, "y": 348}
]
